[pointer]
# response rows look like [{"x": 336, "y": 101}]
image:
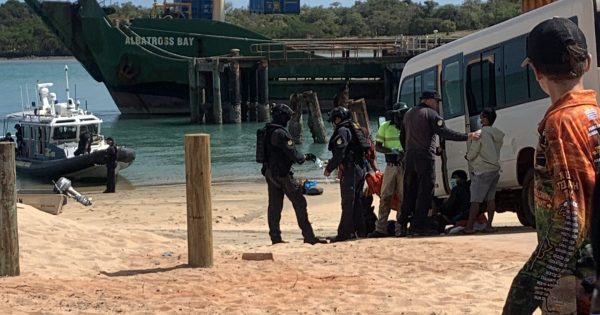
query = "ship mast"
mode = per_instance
[{"x": 67, "y": 80}]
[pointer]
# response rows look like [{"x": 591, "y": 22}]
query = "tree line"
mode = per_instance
[{"x": 22, "y": 33}]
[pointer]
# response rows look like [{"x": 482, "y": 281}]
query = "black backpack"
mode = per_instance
[{"x": 261, "y": 145}]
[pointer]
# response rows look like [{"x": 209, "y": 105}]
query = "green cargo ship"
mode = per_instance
[{"x": 144, "y": 62}]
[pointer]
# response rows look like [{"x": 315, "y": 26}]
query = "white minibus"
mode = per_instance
[{"x": 484, "y": 69}]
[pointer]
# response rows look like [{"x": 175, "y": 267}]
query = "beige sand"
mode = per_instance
[{"x": 113, "y": 257}]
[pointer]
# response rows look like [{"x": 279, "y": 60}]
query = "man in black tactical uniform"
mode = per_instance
[
  {"x": 421, "y": 124},
  {"x": 348, "y": 145},
  {"x": 280, "y": 154},
  {"x": 111, "y": 165}
]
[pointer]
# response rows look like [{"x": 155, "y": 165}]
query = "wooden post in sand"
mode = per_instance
[
  {"x": 199, "y": 203},
  {"x": 9, "y": 236}
]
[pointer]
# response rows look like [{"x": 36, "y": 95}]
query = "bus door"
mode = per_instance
[{"x": 452, "y": 110}]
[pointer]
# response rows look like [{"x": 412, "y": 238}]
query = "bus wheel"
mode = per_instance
[{"x": 526, "y": 212}]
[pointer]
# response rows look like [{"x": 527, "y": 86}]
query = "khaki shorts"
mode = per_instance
[{"x": 483, "y": 186}]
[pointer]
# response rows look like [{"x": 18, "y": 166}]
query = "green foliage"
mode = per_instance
[
  {"x": 22, "y": 33},
  {"x": 378, "y": 18}
]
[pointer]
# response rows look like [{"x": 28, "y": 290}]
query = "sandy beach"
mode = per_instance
[{"x": 127, "y": 254}]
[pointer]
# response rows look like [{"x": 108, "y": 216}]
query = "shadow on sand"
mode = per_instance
[{"x": 134, "y": 272}]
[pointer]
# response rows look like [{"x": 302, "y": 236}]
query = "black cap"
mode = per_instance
[
  {"x": 548, "y": 43},
  {"x": 430, "y": 94},
  {"x": 110, "y": 139}
]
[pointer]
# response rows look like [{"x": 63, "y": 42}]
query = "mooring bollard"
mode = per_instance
[
  {"x": 198, "y": 198},
  {"x": 9, "y": 236}
]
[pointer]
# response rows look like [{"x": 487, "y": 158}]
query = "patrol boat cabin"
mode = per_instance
[{"x": 50, "y": 145}]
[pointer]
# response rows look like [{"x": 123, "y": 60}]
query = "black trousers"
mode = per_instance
[
  {"x": 419, "y": 180},
  {"x": 110, "y": 179},
  {"x": 351, "y": 189},
  {"x": 278, "y": 186}
]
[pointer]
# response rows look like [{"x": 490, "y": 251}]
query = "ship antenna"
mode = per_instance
[{"x": 67, "y": 79}]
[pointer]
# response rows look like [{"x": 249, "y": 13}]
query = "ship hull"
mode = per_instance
[{"x": 145, "y": 64}]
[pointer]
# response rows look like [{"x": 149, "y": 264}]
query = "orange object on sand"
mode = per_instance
[{"x": 374, "y": 182}]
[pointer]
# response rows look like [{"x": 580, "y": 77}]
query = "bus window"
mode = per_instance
[
  {"x": 515, "y": 76},
  {"x": 418, "y": 88},
  {"x": 535, "y": 91},
  {"x": 474, "y": 85},
  {"x": 430, "y": 80},
  {"x": 407, "y": 91},
  {"x": 481, "y": 82},
  {"x": 452, "y": 90}
]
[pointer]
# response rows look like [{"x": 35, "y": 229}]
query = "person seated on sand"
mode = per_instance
[
  {"x": 455, "y": 210},
  {"x": 457, "y": 205}
]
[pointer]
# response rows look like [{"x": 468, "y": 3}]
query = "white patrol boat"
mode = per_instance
[{"x": 48, "y": 140}]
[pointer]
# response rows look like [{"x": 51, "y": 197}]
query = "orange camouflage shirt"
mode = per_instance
[{"x": 566, "y": 159}]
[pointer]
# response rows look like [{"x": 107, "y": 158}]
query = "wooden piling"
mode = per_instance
[
  {"x": 193, "y": 84},
  {"x": 202, "y": 100},
  {"x": 217, "y": 109},
  {"x": 199, "y": 202},
  {"x": 263, "y": 92},
  {"x": 315, "y": 119},
  {"x": 225, "y": 95},
  {"x": 244, "y": 89},
  {"x": 253, "y": 94},
  {"x": 234, "y": 82},
  {"x": 9, "y": 236},
  {"x": 295, "y": 124}
]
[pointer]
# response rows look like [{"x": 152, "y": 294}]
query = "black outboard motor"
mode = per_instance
[{"x": 63, "y": 186}]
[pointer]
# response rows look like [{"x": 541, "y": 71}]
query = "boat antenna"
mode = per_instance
[
  {"x": 75, "y": 87},
  {"x": 27, "y": 93},
  {"x": 67, "y": 79},
  {"x": 22, "y": 105}
]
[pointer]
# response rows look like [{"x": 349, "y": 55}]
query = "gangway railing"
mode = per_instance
[{"x": 346, "y": 48}]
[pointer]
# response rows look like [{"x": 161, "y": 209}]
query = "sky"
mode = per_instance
[{"x": 244, "y": 3}]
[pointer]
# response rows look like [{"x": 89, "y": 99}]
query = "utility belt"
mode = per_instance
[
  {"x": 395, "y": 157},
  {"x": 394, "y": 163}
]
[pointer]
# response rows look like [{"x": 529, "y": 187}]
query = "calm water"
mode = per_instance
[{"x": 158, "y": 142}]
